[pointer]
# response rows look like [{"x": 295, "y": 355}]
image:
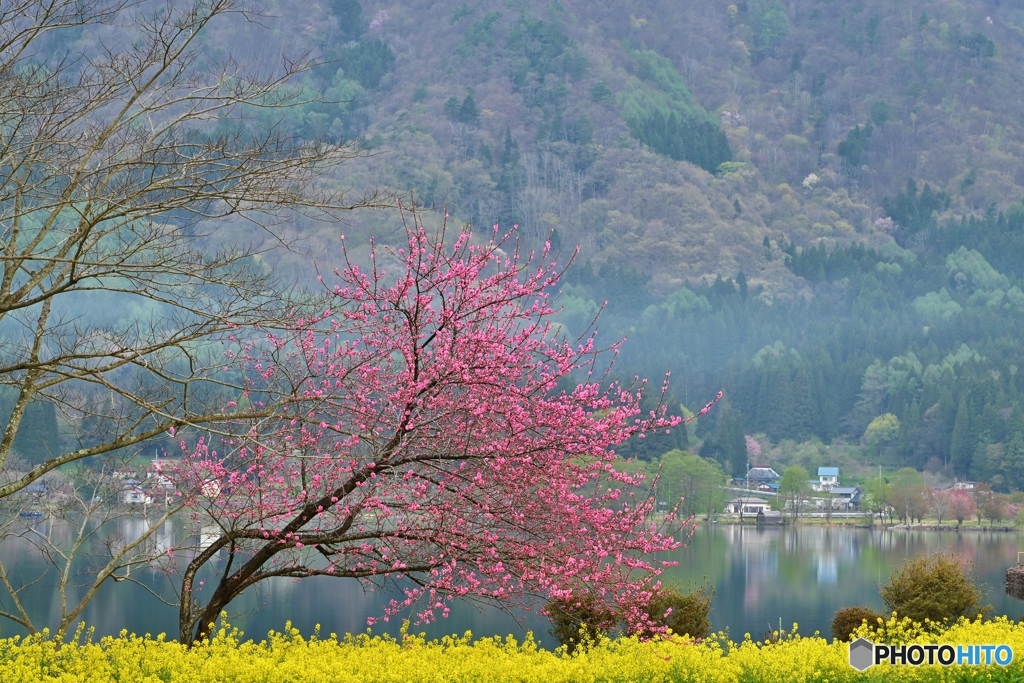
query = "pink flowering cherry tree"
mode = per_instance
[{"x": 437, "y": 432}]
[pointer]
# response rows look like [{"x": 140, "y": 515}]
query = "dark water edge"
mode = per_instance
[{"x": 800, "y": 574}]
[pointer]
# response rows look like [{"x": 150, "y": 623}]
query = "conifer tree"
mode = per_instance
[{"x": 961, "y": 448}]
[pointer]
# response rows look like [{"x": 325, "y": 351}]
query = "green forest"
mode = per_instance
[{"x": 815, "y": 206}]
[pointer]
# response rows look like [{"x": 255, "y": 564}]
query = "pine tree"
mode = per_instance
[
  {"x": 961, "y": 448},
  {"x": 468, "y": 113},
  {"x": 1013, "y": 449},
  {"x": 804, "y": 417}
]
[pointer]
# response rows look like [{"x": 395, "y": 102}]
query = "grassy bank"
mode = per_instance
[{"x": 288, "y": 657}]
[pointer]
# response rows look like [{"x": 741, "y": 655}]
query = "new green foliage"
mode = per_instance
[
  {"x": 692, "y": 482},
  {"x": 661, "y": 113}
]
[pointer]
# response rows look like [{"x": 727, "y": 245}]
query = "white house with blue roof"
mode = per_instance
[{"x": 828, "y": 477}]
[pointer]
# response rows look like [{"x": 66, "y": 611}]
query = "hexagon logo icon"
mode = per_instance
[{"x": 862, "y": 654}]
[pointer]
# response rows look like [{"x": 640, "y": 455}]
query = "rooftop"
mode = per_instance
[
  {"x": 762, "y": 473},
  {"x": 828, "y": 471},
  {"x": 844, "y": 490}
]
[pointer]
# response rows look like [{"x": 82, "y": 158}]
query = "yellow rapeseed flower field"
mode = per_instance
[{"x": 289, "y": 657}]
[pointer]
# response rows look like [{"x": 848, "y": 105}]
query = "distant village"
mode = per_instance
[
  {"x": 825, "y": 496},
  {"x": 758, "y": 501},
  {"x": 131, "y": 486}
]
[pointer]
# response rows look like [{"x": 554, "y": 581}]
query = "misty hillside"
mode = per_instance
[
  {"x": 814, "y": 205},
  {"x": 609, "y": 122}
]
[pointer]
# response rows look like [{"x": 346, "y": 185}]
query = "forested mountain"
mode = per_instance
[{"x": 814, "y": 205}]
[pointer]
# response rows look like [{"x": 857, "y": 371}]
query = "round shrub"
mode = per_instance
[
  {"x": 849, "y": 619},
  {"x": 936, "y": 587}
]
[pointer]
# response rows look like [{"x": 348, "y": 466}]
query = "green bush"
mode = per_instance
[
  {"x": 849, "y": 619},
  {"x": 684, "y": 613},
  {"x": 935, "y": 587},
  {"x": 579, "y": 621}
]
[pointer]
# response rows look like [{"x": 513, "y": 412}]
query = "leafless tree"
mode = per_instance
[
  {"x": 119, "y": 163},
  {"x": 82, "y": 526},
  {"x": 117, "y": 166},
  {"x": 939, "y": 502}
]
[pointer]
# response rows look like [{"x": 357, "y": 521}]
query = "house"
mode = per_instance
[
  {"x": 746, "y": 506},
  {"x": 760, "y": 478},
  {"x": 126, "y": 474},
  {"x": 769, "y": 518},
  {"x": 965, "y": 485},
  {"x": 37, "y": 490},
  {"x": 846, "y": 497},
  {"x": 159, "y": 470},
  {"x": 133, "y": 495},
  {"x": 827, "y": 478}
]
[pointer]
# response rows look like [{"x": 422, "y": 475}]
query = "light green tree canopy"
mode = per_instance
[
  {"x": 883, "y": 430},
  {"x": 695, "y": 480},
  {"x": 793, "y": 488},
  {"x": 794, "y": 481}
]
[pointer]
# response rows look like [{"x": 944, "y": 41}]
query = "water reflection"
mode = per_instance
[
  {"x": 805, "y": 574},
  {"x": 163, "y": 539},
  {"x": 800, "y": 575}
]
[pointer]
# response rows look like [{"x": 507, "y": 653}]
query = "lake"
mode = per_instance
[{"x": 801, "y": 574}]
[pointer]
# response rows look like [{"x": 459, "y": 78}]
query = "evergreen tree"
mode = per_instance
[
  {"x": 452, "y": 108},
  {"x": 1013, "y": 449},
  {"x": 991, "y": 428},
  {"x": 468, "y": 113},
  {"x": 351, "y": 23},
  {"x": 961, "y": 448},
  {"x": 804, "y": 419}
]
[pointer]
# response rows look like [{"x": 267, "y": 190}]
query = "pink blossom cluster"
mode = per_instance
[{"x": 753, "y": 448}]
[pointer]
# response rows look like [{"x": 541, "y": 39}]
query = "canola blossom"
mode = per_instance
[{"x": 365, "y": 658}]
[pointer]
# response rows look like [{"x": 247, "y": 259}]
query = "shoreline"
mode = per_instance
[{"x": 859, "y": 523}]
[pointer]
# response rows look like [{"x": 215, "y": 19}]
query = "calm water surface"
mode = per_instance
[{"x": 801, "y": 575}]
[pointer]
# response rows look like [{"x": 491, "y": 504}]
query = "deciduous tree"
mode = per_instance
[
  {"x": 115, "y": 167},
  {"x": 882, "y": 431},
  {"x": 693, "y": 482},
  {"x": 961, "y": 505},
  {"x": 119, "y": 163},
  {"x": 940, "y": 504},
  {"x": 439, "y": 435},
  {"x": 793, "y": 488}
]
